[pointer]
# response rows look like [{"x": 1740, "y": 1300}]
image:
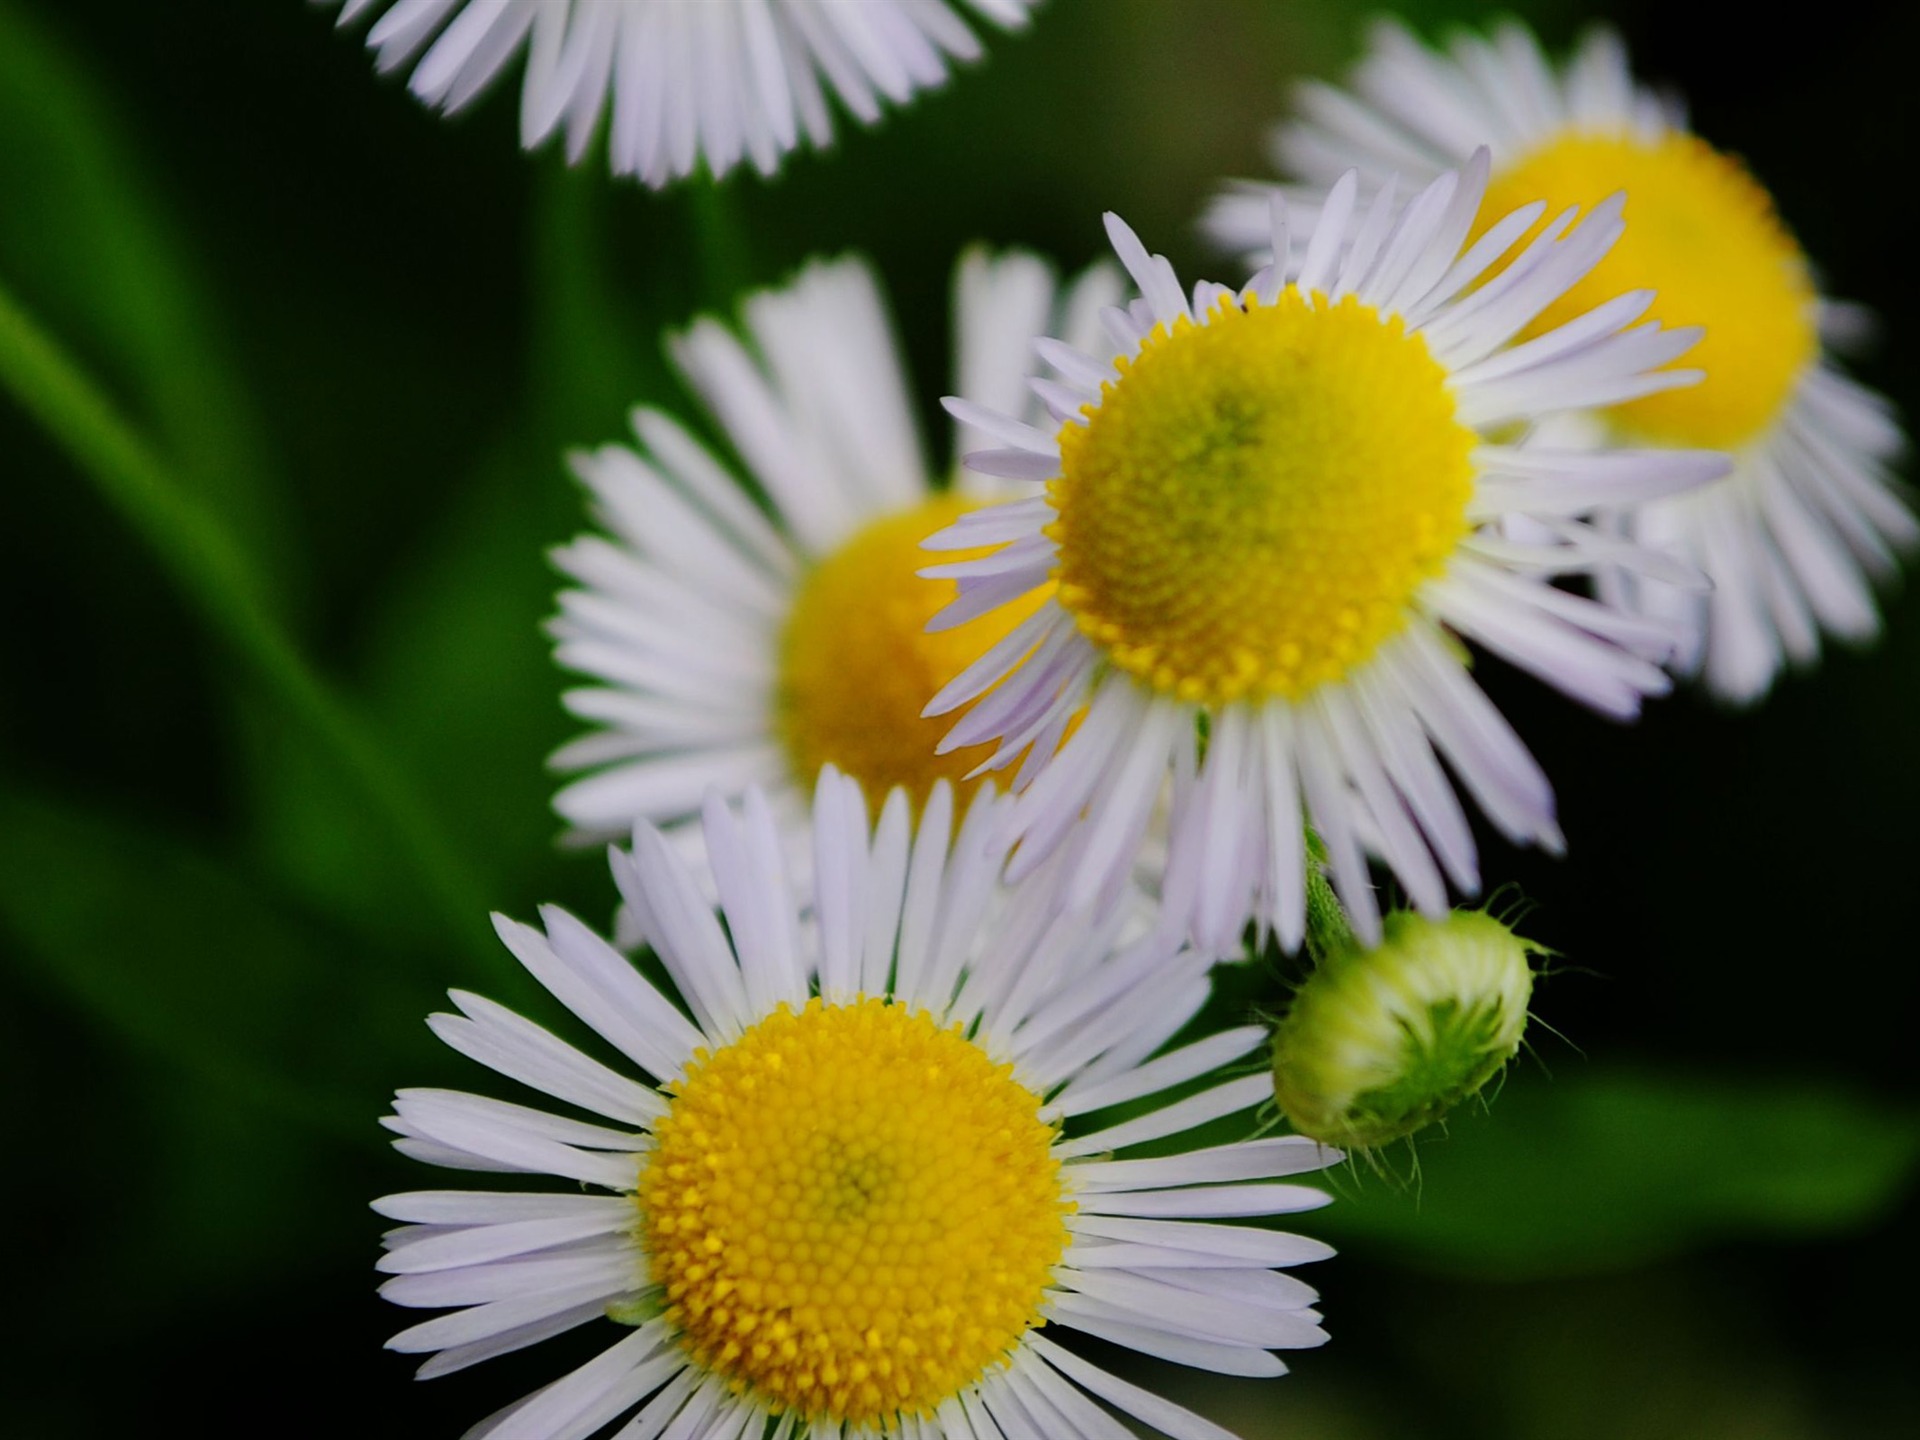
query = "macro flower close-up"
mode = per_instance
[
  {"x": 958, "y": 719},
  {"x": 847, "y": 1200},
  {"x": 1272, "y": 513}
]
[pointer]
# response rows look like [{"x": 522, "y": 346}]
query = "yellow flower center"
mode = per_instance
[
  {"x": 1255, "y": 500},
  {"x": 1704, "y": 234},
  {"x": 853, "y": 1212},
  {"x": 857, "y": 664}
]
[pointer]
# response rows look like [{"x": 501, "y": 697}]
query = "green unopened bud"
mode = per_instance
[{"x": 1380, "y": 1043}]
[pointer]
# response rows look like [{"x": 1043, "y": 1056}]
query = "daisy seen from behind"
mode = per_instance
[
  {"x": 727, "y": 644},
  {"x": 861, "y": 1176},
  {"x": 1810, "y": 515},
  {"x": 1257, "y": 531},
  {"x": 679, "y": 84}
]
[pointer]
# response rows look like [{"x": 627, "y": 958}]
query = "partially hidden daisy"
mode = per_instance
[
  {"x": 1257, "y": 530},
  {"x": 1810, "y": 514},
  {"x": 729, "y": 644},
  {"x": 718, "y": 81},
  {"x": 873, "y": 1170}
]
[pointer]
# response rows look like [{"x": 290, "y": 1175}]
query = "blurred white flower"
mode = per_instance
[
  {"x": 1810, "y": 514},
  {"x": 730, "y": 644},
  {"x": 689, "y": 80}
]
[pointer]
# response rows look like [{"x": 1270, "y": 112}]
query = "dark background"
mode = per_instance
[{"x": 361, "y": 337}]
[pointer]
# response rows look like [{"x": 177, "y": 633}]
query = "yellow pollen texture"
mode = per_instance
[
  {"x": 857, "y": 666},
  {"x": 853, "y": 1212},
  {"x": 1254, "y": 502},
  {"x": 1704, "y": 234}
]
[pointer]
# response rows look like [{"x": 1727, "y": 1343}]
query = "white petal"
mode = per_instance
[
  {"x": 1182, "y": 1115},
  {"x": 1249, "y": 1160}
]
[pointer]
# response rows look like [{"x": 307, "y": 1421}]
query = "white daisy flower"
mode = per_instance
[
  {"x": 718, "y": 80},
  {"x": 1810, "y": 515},
  {"x": 732, "y": 645},
  {"x": 1260, "y": 528},
  {"x": 870, "y": 1171}
]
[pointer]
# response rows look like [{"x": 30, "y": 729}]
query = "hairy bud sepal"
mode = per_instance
[{"x": 1381, "y": 1043}]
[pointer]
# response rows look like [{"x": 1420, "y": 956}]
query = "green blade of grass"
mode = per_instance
[{"x": 214, "y": 575}]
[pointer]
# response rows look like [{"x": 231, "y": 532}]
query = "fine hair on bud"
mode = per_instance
[{"x": 1380, "y": 1043}]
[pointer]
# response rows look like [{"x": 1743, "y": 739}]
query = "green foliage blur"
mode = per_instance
[{"x": 286, "y": 374}]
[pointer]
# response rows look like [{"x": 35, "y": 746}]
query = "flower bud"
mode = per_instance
[{"x": 1380, "y": 1043}]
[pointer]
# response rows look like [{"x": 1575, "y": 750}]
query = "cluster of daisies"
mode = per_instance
[{"x": 938, "y": 782}]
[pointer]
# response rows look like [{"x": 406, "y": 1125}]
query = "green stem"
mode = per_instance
[
  {"x": 721, "y": 243},
  {"x": 1328, "y": 929},
  {"x": 212, "y": 572}
]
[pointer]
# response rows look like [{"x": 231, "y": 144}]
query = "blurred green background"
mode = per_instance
[{"x": 359, "y": 338}]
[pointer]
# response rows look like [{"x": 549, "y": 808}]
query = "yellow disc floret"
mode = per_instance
[
  {"x": 1704, "y": 234},
  {"x": 857, "y": 664},
  {"x": 853, "y": 1212},
  {"x": 1253, "y": 503}
]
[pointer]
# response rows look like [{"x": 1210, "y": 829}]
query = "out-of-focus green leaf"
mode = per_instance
[
  {"x": 222, "y": 581},
  {"x": 1643, "y": 1355},
  {"x": 1651, "y": 1355},
  {"x": 188, "y": 474},
  {"x": 97, "y": 254},
  {"x": 1438, "y": 19},
  {"x": 186, "y": 958},
  {"x": 463, "y": 690},
  {"x": 1609, "y": 1167},
  {"x": 173, "y": 1186},
  {"x": 599, "y": 298},
  {"x": 221, "y": 1236},
  {"x": 457, "y": 669}
]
